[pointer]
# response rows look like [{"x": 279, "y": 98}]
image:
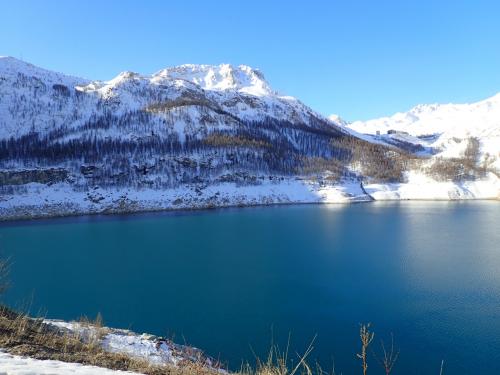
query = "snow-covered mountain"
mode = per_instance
[
  {"x": 35, "y": 99},
  {"x": 481, "y": 119},
  {"x": 442, "y": 128},
  {"x": 203, "y": 136}
]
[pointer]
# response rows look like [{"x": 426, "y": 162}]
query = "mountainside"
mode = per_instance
[
  {"x": 37, "y": 100},
  {"x": 191, "y": 136},
  {"x": 442, "y": 128}
]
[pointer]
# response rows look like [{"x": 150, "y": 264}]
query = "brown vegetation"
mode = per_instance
[
  {"x": 26, "y": 336},
  {"x": 4, "y": 271},
  {"x": 390, "y": 356},
  {"x": 227, "y": 140},
  {"x": 366, "y": 337},
  {"x": 463, "y": 168},
  {"x": 182, "y": 101},
  {"x": 22, "y": 335},
  {"x": 378, "y": 162},
  {"x": 318, "y": 165}
]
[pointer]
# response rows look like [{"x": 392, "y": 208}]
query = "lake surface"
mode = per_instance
[{"x": 230, "y": 280}]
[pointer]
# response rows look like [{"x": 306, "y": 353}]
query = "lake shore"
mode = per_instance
[
  {"x": 60, "y": 200},
  {"x": 88, "y": 347}
]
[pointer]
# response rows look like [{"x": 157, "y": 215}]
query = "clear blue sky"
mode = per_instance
[{"x": 359, "y": 58}]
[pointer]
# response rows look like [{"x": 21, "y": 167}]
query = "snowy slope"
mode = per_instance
[
  {"x": 441, "y": 127},
  {"x": 481, "y": 119},
  {"x": 10, "y": 67},
  {"x": 32, "y": 98}
]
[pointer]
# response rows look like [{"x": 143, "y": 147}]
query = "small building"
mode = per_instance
[{"x": 397, "y": 132}]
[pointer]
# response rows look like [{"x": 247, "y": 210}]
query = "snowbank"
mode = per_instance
[
  {"x": 16, "y": 365},
  {"x": 424, "y": 188},
  {"x": 153, "y": 349},
  {"x": 61, "y": 200}
]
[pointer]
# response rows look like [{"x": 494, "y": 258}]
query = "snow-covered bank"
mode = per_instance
[
  {"x": 152, "y": 349},
  {"x": 421, "y": 187},
  {"x": 61, "y": 200},
  {"x": 17, "y": 365},
  {"x": 90, "y": 349},
  {"x": 40, "y": 200}
]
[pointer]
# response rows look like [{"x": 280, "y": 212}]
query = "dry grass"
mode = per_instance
[
  {"x": 25, "y": 336},
  {"x": 279, "y": 363},
  {"x": 390, "y": 356},
  {"x": 366, "y": 337},
  {"x": 4, "y": 272},
  {"x": 31, "y": 337}
]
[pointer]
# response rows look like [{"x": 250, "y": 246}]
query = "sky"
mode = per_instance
[{"x": 360, "y": 59}]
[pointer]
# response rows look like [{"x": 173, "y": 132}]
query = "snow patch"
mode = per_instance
[
  {"x": 422, "y": 187},
  {"x": 17, "y": 365}
]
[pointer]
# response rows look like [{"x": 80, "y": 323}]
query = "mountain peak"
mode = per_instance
[
  {"x": 338, "y": 120},
  {"x": 123, "y": 77},
  {"x": 220, "y": 78}
]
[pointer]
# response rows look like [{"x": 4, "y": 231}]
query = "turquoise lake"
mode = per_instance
[{"x": 231, "y": 280}]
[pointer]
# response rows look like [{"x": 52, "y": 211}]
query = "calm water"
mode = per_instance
[{"x": 229, "y": 280}]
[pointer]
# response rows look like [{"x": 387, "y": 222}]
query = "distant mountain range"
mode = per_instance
[
  {"x": 441, "y": 127},
  {"x": 197, "y": 136}
]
